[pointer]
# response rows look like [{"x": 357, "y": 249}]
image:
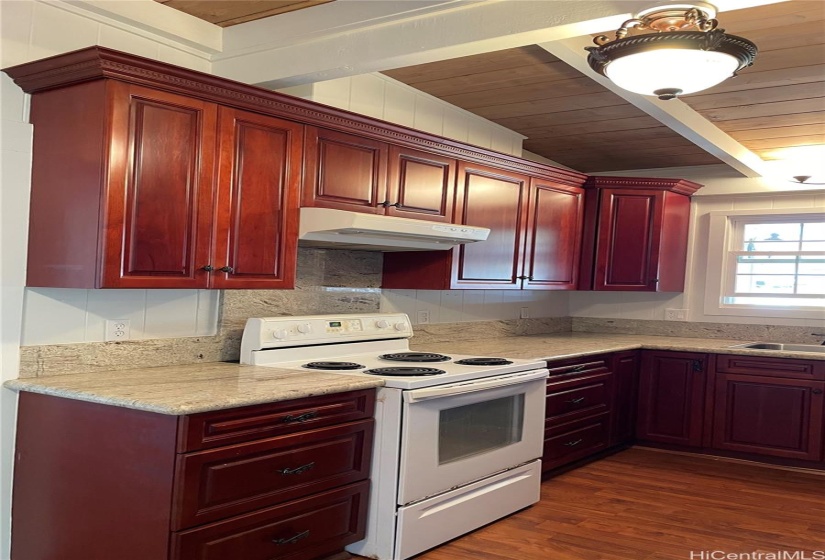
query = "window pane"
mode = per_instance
[
  {"x": 778, "y": 246},
  {"x": 775, "y": 302},
  {"x": 813, "y": 246},
  {"x": 811, "y": 285},
  {"x": 765, "y": 266},
  {"x": 756, "y": 283},
  {"x": 811, "y": 265},
  {"x": 773, "y": 232},
  {"x": 813, "y": 231}
]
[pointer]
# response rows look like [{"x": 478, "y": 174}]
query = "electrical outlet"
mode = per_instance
[
  {"x": 423, "y": 317},
  {"x": 676, "y": 314},
  {"x": 524, "y": 313},
  {"x": 117, "y": 329}
]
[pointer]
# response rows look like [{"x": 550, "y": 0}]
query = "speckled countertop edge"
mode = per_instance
[{"x": 188, "y": 389}]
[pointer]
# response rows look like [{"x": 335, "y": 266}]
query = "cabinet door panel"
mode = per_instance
[
  {"x": 493, "y": 199},
  {"x": 626, "y": 375},
  {"x": 671, "y": 397},
  {"x": 344, "y": 171},
  {"x": 629, "y": 228},
  {"x": 160, "y": 189},
  {"x": 257, "y": 207},
  {"x": 554, "y": 231},
  {"x": 421, "y": 185},
  {"x": 769, "y": 416}
]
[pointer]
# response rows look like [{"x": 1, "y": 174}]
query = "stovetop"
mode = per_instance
[{"x": 364, "y": 345}]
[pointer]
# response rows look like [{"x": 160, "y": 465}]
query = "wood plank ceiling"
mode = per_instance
[
  {"x": 226, "y": 13},
  {"x": 777, "y": 103}
]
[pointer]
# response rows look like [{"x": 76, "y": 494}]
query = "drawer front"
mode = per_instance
[
  {"x": 586, "y": 396},
  {"x": 771, "y": 367},
  {"x": 575, "y": 440},
  {"x": 219, "y": 483},
  {"x": 299, "y": 530},
  {"x": 237, "y": 425},
  {"x": 584, "y": 365}
]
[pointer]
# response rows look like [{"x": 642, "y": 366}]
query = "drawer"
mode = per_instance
[
  {"x": 771, "y": 367},
  {"x": 303, "y": 529},
  {"x": 237, "y": 425},
  {"x": 219, "y": 483},
  {"x": 575, "y": 440},
  {"x": 578, "y": 397},
  {"x": 579, "y": 366}
]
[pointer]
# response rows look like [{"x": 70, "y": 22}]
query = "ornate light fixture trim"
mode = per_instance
[{"x": 672, "y": 60}]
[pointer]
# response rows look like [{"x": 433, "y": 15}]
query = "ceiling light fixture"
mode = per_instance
[
  {"x": 802, "y": 180},
  {"x": 683, "y": 53}
]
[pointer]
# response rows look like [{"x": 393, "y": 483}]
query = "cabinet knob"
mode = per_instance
[
  {"x": 227, "y": 269},
  {"x": 208, "y": 268}
]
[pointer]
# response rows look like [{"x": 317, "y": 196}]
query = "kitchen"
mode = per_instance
[{"x": 327, "y": 281}]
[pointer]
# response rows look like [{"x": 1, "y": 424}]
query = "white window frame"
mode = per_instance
[{"x": 721, "y": 264}]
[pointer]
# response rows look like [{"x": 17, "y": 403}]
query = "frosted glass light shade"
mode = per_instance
[{"x": 688, "y": 70}]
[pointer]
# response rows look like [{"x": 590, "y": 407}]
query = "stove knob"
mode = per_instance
[
  {"x": 305, "y": 328},
  {"x": 400, "y": 326},
  {"x": 280, "y": 334},
  {"x": 382, "y": 324}
]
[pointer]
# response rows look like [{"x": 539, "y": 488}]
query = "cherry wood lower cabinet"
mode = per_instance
[
  {"x": 769, "y": 406},
  {"x": 588, "y": 404},
  {"x": 671, "y": 397},
  {"x": 286, "y": 480}
]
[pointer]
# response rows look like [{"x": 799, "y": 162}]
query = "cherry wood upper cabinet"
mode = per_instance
[
  {"x": 636, "y": 234},
  {"x": 125, "y": 192},
  {"x": 535, "y": 232},
  {"x": 349, "y": 172},
  {"x": 256, "y": 217},
  {"x": 671, "y": 397},
  {"x": 344, "y": 171}
]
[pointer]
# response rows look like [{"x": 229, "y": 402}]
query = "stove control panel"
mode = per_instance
[{"x": 284, "y": 332}]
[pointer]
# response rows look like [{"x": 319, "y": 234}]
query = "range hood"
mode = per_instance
[{"x": 341, "y": 229}]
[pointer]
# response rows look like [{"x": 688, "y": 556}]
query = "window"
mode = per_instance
[{"x": 766, "y": 264}]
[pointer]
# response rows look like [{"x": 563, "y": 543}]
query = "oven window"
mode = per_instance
[{"x": 472, "y": 429}]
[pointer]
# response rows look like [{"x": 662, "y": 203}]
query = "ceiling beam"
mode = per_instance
[{"x": 674, "y": 114}]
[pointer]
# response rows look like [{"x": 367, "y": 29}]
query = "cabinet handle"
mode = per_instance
[
  {"x": 817, "y": 391},
  {"x": 227, "y": 269},
  {"x": 293, "y": 538},
  {"x": 697, "y": 365},
  {"x": 581, "y": 367},
  {"x": 575, "y": 401},
  {"x": 573, "y": 443},
  {"x": 297, "y": 470},
  {"x": 386, "y": 204},
  {"x": 289, "y": 419},
  {"x": 208, "y": 268}
]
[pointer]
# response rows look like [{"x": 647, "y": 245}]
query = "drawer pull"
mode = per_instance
[
  {"x": 581, "y": 367},
  {"x": 575, "y": 401},
  {"x": 292, "y": 539},
  {"x": 297, "y": 470},
  {"x": 289, "y": 419},
  {"x": 573, "y": 443},
  {"x": 817, "y": 391}
]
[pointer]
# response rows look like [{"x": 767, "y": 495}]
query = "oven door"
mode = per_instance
[{"x": 457, "y": 433}]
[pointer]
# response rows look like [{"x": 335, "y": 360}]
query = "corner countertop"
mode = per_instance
[{"x": 189, "y": 389}]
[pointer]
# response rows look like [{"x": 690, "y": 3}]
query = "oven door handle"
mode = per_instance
[{"x": 418, "y": 395}]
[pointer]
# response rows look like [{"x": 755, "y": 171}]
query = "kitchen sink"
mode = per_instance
[{"x": 782, "y": 347}]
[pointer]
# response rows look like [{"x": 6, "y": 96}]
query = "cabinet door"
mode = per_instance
[
  {"x": 344, "y": 171},
  {"x": 769, "y": 416},
  {"x": 158, "y": 207},
  {"x": 554, "y": 230},
  {"x": 671, "y": 397},
  {"x": 630, "y": 224},
  {"x": 495, "y": 199},
  {"x": 256, "y": 215},
  {"x": 421, "y": 185},
  {"x": 626, "y": 384}
]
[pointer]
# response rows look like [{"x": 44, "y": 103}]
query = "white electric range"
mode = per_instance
[{"x": 458, "y": 438}]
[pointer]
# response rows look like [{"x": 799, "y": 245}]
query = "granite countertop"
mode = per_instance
[
  {"x": 569, "y": 345},
  {"x": 195, "y": 388},
  {"x": 192, "y": 388}
]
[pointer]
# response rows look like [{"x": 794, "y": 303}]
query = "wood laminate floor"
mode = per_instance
[{"x": 647, "y": 505}]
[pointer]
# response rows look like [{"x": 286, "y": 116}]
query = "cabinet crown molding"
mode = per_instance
[
  {"x": 95, "y": 63},
  {"x": 679, "y": 186}
]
